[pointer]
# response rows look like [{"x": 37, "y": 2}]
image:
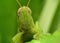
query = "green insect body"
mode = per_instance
[
  {"x": 26, "y": 23},
  {"x": 26, "y": 26},
  {"x": 25, "y": 20}
]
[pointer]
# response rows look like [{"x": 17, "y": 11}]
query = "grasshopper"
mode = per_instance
[{"x": 26, "y": 26}]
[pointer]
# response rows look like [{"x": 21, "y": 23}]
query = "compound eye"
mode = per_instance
[
  {"x": 29, "y": 10},
  {"x": 18, "y": 12}
]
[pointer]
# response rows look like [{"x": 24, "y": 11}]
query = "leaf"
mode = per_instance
[{"x": 34, "y": 41}]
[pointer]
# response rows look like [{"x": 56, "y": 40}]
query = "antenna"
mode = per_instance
[
  {"x": 28, "y": 3},
  {"x": 18, "y": 3}
]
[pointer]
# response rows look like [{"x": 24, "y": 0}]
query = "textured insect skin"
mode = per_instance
[
  {"x": 25, "y": 20},
  {"x": 26, "y": 27},
  {"x": 26, "y": 23}
]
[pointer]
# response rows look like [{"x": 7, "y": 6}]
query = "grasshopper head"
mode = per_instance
[{"x": 24, "y": 9}]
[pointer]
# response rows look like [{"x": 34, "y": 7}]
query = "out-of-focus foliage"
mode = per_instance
[
  {"x": 47, "y": 15},
  {"x": 55, "y": 38},
  {"x": 8, "y": 24},
  {"x": 56, "y": 20}
]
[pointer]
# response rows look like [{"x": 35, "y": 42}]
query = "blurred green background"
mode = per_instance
[{"x": 46, "y": 12}]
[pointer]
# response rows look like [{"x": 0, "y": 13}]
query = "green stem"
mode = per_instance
[{"x": 47, "y": 14}]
